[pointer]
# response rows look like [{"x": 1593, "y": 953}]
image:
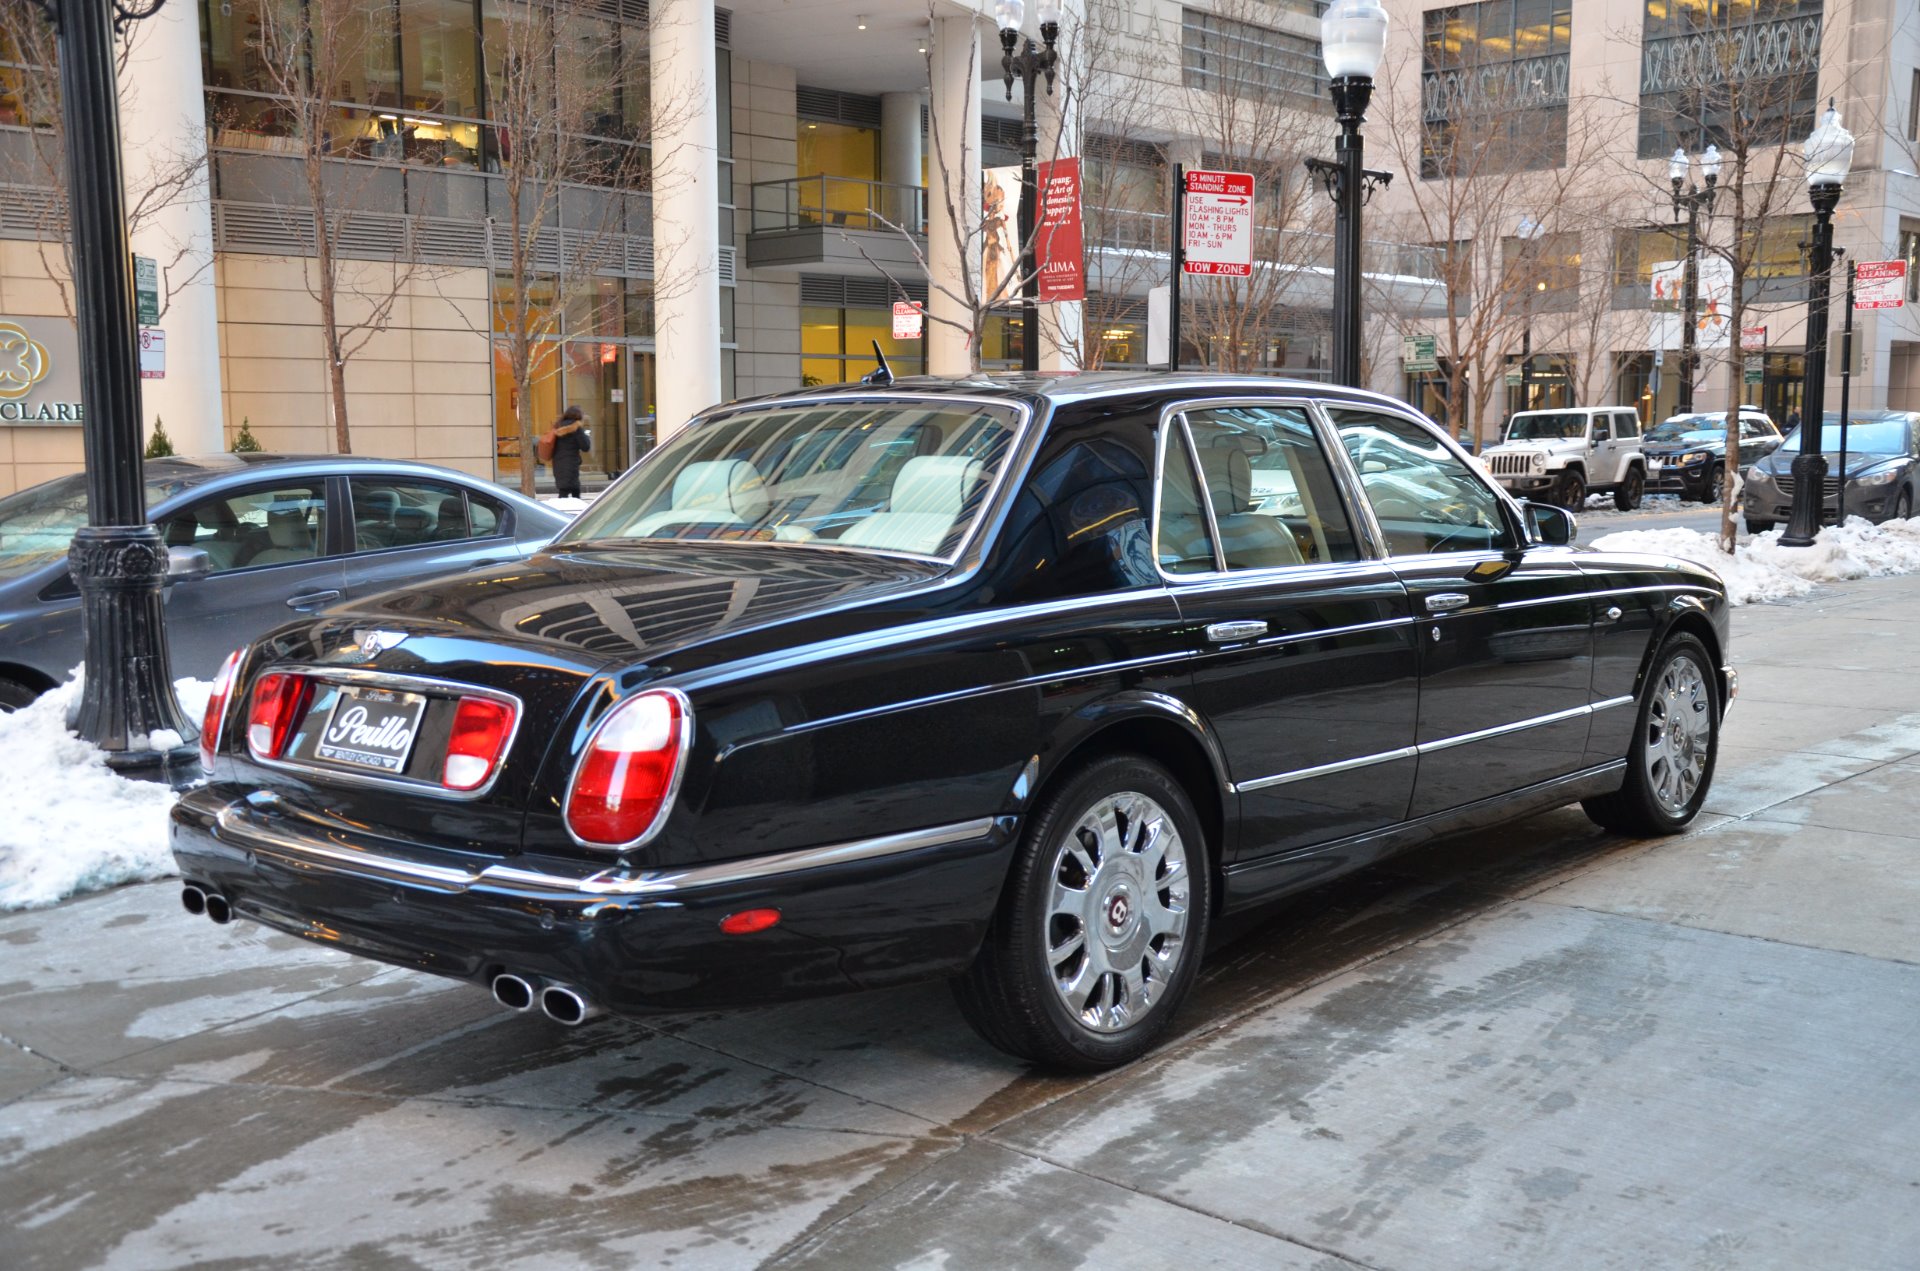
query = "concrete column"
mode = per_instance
[
  {"x": 900, "y": 137},
  {"x": 953, "y": 194},
  {"x": 1062, "y": 324},
  {"x": 686, "y": 217},
  {"x": 163, "y": 131}
]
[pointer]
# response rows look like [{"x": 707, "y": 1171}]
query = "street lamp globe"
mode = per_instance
[
  {"x": 1010, "y": 14},
  {"x": 1710, "y": 164},
  {"x": 1677, "y": 167},
  {"x": 1353, "y": 37},
  {"x": 1829, "y": 151},
  {"x": 1049, "y": 15}
]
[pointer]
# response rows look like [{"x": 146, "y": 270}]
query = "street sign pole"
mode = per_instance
[
  {"x": 1177, "y": 235},
  {"x": 1846, "y": 386}
]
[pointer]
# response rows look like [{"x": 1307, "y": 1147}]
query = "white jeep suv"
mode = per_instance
[{"x": 1563, "y": 455}]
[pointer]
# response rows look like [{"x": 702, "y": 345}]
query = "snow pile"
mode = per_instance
[
  {"x": 1762, "y": 570},
  {"x": 72, "y": 824},
  {"x": 568, "y": 504}
]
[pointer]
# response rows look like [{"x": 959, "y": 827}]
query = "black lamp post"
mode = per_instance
[
  {"x": 1021, "y": 60},
  {"x": 1353, "y": 37},
  {"x": 1692, "y": 200},
  {"x": 1829, "y": 154},
  {"x": 117, "y": 558}
]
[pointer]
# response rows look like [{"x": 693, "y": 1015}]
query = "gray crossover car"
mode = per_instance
[
  {"x": 1883, "y": 470},
  {"x": 253, "y": 540}
]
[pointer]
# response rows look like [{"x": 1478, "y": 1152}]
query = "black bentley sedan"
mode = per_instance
[{"x": 1021, "y": 682}]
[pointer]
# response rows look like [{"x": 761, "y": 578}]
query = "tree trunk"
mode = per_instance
[{"x": 330, "y": 334}]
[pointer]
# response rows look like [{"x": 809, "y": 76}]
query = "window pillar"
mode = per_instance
[
  {"x": 953, "y": 194},
  {"x": 686, "y": 215},
  {"x": 163, "y": 121}
]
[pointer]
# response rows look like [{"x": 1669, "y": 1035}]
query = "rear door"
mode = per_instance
[
  {"x": 408, "y": 528},
  {"x": 274, "y": 557},
  {"x": 1505, "y": 636},
  {"x": 1304, "y": 664}
]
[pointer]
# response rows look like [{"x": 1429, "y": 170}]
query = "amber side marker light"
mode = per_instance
[{"x": 748, "y": 921}]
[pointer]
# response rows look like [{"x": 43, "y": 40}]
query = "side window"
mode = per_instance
[
  {"x": 1600, "y": 430},
  {"x": 1271, "y": 486},
  {"x": 1626, "y": 424},
  {"x": 1183, "y": 540},
  {"x": 270, "y": 525},
  {"x": 398, "y": 512},
  {"x": 1425, "y": 498},
  {"x": 483, "y": 514}
]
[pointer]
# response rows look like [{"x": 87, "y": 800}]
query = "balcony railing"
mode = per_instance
[{"x": 838, "y": 203}]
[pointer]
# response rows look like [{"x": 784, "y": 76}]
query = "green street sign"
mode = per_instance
[
  {"x": 146, "y": 291},
  {"x": 1419, "y": 353},
  {"x": 1755, "y": 369}
]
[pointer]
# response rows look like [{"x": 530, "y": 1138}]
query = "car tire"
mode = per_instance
[
  {"x": 14, "y": 695},
  {"x": 1626, "y": 495},
  {"x": 1676, "y": 744},
  {"x": 1714, "y": 487},
  {"x": 1570, "y": 490},
  {"x": 1902, "y": 506},
  {"x": 1136, "y": 923},
  {"x": 1754, "y": 525}
]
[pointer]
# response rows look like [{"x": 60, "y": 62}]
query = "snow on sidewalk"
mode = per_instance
[
  {"x": 72, "y": 824},
  {"x": 1762, "y": 570}
]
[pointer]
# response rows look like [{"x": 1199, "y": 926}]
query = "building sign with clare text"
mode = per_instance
[{"x": 39, "y": 372}]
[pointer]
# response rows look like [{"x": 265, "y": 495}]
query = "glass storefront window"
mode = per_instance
[{"x": 836, "y": 345}]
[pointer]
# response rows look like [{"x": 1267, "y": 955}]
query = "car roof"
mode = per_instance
[
  {"x": 193, "y": 471},
  {"x": 1067, "y": 387}
]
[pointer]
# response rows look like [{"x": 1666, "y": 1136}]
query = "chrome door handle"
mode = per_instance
[
  {"x": 1442, "y": 601},
  {"x": 1246, "y": 629},
  {"x": 1613, "y": 613},
  {"x": 312, "y": 600}
]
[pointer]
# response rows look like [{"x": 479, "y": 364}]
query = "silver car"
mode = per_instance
[{"x": 253, "y": 540}]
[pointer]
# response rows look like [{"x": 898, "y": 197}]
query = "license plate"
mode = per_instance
[
  {"x": 371, "y": 728},
  {"x": 1654, "y": 465}
]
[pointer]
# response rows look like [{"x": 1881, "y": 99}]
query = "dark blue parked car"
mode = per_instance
[{"x": 253, "y": 540}]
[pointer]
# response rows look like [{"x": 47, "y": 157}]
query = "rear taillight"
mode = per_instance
[
  {"x": 216, "y": 713},
  {"x": 278, "y": 701},
  {"x": 630, "y": 770},
  {"x": 478, "y": 742}
]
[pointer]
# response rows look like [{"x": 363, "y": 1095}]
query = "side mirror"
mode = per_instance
[
  {"x": 187, "y": 564},
  {"x": 1554, "y": 526}
]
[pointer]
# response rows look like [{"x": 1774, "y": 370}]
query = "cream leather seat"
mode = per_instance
[
  {"x": 928, "y": 497},
  {"x": 719, "y": 492}
]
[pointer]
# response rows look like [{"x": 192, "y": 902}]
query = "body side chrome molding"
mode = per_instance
[
  {"x": 234, "y": 825},
  {"x": 1428, "y": 747}
]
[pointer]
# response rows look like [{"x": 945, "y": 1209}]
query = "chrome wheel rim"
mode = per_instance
[
  {"x": 1679, "y": 737},
  {"x": 1116, "y": 922}
]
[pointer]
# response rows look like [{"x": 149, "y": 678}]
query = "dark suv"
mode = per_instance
[{"x": 1687, "y": 454}]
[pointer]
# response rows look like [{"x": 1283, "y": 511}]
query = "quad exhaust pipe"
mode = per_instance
[
  {"x": 198, "y": 900},
  {"x": 560, "y": 1003}
]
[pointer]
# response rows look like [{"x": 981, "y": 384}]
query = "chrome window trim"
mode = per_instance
[
  {"x": 404, "y": 683},
  {"x": 1372, "y": 548},
  {"x": 232, "y": 824},
  {"x": 1510, "y": 507},
  {"x": 1428, "y": 747},
  {"x": 673, "y": 785},
  {"x": 1019, "y": 455}
]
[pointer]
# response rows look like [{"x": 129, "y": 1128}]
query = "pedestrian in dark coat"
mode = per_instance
[{"x": 571, "y": 440}]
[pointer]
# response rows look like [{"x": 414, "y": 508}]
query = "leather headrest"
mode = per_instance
[
  {"x": 1229, "y": 475},
  {"x": 412, "y": 520},
  {"x": 937, "y": 484},
  {"x": 728, "y": 485},
  {"x": 288, "y": 529}
]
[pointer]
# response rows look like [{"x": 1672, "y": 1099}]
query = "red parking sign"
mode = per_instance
[{"x": 1217, "y": 237}]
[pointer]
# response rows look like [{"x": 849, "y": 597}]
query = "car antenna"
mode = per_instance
[{"x": 882, "y": 375}]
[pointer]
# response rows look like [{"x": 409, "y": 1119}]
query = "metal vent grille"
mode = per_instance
[
  {"x": 832, "y": 106},
  {"x": 856, "y": 293},
  {"x": 28, "y": 211},
  {"x": 267, "y": 230},
  {"x": 1509, "y": 465}
]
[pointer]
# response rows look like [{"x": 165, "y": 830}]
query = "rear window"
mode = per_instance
[{"x": 900, "y": 475}]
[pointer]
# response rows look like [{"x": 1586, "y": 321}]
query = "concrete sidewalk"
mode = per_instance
[{"x": 1541, "y": 1048}]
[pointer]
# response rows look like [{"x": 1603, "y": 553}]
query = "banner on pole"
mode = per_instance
[
  {"x": 1000, "y": 235},
  {"x": 1061, "y": 248}
]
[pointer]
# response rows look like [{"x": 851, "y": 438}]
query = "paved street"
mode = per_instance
[{"x": 1545, "y": 1047}]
